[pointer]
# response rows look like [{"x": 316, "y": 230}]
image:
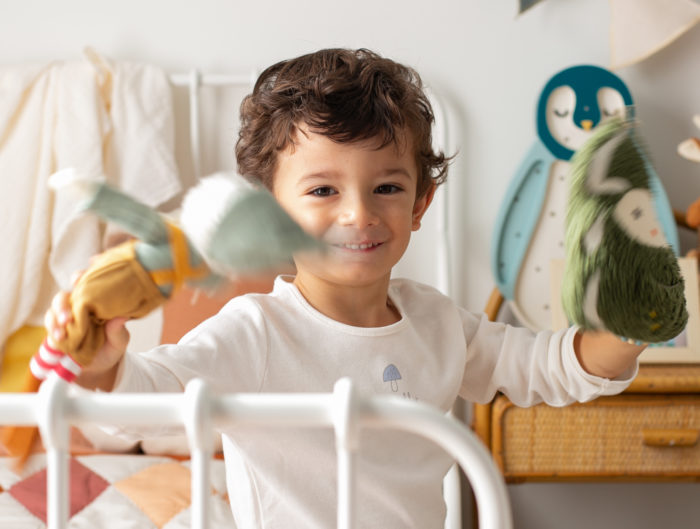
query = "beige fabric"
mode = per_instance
[
  {"x": 112, "y": 121},
  {"x": 640, "y": 28}
]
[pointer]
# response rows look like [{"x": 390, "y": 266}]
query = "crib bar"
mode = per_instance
[
  {"x": 57, "y": 501},
  {"x": 194, "y": 80},
  {"x": 59, "y": 404},
  {"x": 199, "y": 467},
  {"x": 52, "y": 403},
  {"x": 346, "y": 489},
  {"x": 198, "y": 424},
  {"x": 442, "y": 237},
  {"x": 345, "y": 422}
]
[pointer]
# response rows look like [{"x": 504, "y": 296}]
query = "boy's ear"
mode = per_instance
[{"x": 421, "y": 206}]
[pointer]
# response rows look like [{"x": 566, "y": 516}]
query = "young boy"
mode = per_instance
[{"x": 343, "y": 141}]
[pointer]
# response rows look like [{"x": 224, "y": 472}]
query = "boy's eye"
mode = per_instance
[
  {"x": 323, "y": 191},
  {"x": 387, "y": 189}
]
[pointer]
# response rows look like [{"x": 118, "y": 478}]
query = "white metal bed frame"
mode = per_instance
[{"x": 58, "y": 405}]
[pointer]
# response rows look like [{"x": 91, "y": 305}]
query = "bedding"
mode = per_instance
[{"x": 112, "y": 491}]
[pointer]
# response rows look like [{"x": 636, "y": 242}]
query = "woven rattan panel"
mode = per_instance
[{"x": 621, "y": 436}]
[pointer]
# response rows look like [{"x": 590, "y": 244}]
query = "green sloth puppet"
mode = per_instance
[{"x": 620, "y": 275}]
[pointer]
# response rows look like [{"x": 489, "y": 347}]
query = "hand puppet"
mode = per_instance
[
  {"x": 620, "y": 273},
  {"x": 529, "y": 228},
  {"x": 228, "y": 227}
]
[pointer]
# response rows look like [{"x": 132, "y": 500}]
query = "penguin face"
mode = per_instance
[
  {"x": 635, "y": 214},
  {"x": 570, "y": 125},
  {"x": 574, "y": 102}
]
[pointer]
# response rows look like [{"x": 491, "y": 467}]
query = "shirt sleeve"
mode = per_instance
[
  {"x": 229, "y": 351},
  {"x": 528, "y": 367}
]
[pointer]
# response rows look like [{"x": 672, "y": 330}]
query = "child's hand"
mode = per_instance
[{"x": 101, "y": 372}]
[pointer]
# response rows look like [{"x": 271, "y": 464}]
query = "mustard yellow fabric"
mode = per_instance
[
  {"x": 181, "y": 270},
  {"x": 114, "y": 285},
  {"x": 18, "y": 350}
]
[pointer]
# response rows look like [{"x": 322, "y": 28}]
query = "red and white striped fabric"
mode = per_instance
[{"x": 49, "y": 359}]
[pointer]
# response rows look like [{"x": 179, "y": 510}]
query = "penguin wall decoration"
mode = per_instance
[{"x": 530, "y": 226}]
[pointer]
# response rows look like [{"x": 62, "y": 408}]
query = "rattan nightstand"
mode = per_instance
[{"x": 650, "y": 432}]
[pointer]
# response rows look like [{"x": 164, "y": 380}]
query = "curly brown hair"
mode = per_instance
[{"x": 346, "y": 95}]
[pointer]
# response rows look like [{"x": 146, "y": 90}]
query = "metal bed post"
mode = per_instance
[
  {"x": 345, "y": 421},
  {"x": 52, "y": 411},
  {"x": 198, "y": 424}
]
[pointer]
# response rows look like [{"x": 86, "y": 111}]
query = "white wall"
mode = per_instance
[{"x": 489, "y": 66}]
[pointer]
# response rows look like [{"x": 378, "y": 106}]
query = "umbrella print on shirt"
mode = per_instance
[{"x": 391, "y": 374}]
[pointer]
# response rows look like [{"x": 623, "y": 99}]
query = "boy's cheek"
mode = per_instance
[{"x": 308, "y": 223}]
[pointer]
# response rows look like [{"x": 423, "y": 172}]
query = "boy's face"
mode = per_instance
[{"x": 358, "y": 199}]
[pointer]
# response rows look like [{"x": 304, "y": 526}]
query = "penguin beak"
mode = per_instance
[{"x": 586, "y": 124}]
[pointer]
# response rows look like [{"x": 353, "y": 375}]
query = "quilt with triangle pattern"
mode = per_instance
[{"x": 110, "y": 491}]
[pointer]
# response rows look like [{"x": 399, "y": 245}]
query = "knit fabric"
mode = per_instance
[{"x": 621, "y": 274}]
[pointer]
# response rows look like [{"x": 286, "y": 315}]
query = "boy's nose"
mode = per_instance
[{"x": 358, "y": 211}]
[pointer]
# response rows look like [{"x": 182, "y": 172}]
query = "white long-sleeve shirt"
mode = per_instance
[{"x": 279, "y": 343}]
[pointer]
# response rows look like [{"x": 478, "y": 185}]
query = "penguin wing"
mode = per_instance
[
  {"x": 663, "y": 210},
  {"x": 517, "y": 217}
]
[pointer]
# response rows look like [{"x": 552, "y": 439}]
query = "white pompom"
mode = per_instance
[{"x": 205, "y": 205}]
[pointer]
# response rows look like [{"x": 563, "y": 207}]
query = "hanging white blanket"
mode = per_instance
[{"x": 108, "y": 119}]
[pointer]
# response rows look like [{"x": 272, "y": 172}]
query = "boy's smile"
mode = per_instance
[{"x": 357, "y": 198}]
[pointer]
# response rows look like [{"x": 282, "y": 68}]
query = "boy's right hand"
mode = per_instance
[{"x": 102, "y": 371}]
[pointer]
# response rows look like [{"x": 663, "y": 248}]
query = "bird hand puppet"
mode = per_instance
[
  {"x": 228, "y": 227},
  {"x": 621, "y": 274}
]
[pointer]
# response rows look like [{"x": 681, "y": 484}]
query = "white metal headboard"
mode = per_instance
[
  {"x": 194, "y": 80},
  {"x": 58, "y": 405}
]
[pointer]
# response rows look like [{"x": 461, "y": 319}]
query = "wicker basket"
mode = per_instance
[{"x": 623, "y": 437}]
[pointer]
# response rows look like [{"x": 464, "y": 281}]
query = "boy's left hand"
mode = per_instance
[{"x": 604, "y": 354}]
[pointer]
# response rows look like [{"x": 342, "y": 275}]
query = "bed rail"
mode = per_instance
[{"x": 58, "y": 405}]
